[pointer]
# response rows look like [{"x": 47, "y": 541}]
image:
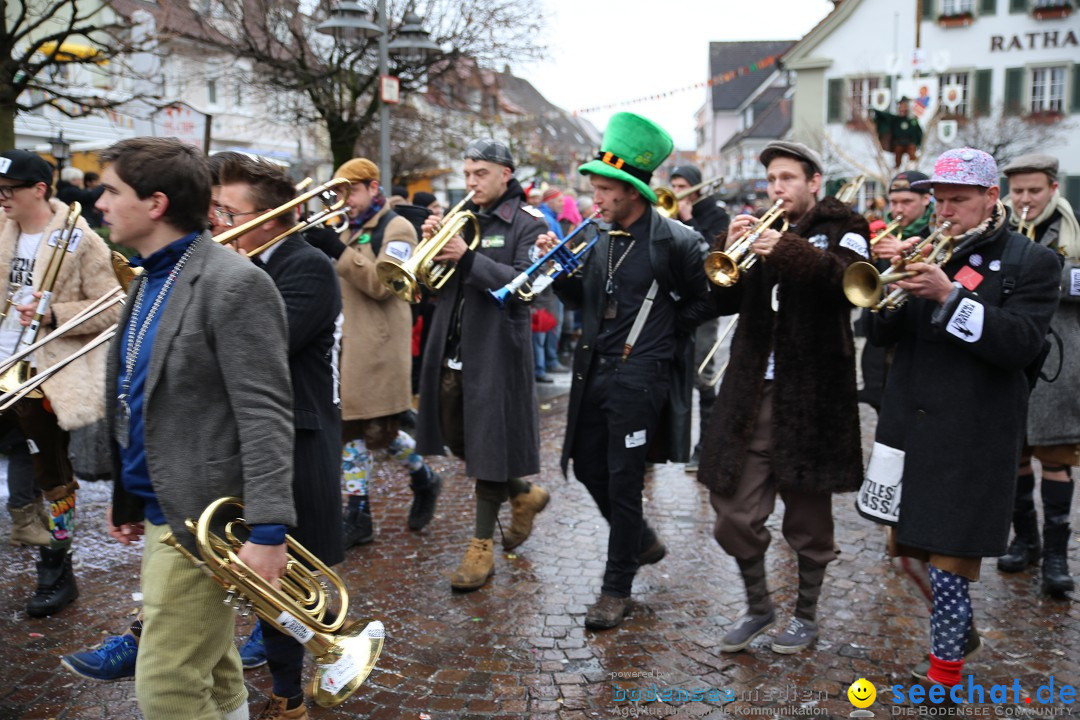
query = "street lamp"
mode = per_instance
[
  {"x": 348, "y": 23},
  {"x": 61, "y": 150}
]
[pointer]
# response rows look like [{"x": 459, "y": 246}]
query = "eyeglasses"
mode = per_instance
[
  {"x": 8, "y": 191},
  {"x": 229, "y": 218}
]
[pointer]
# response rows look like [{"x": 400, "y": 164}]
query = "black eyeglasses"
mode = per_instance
[
  {"x": 229, "y": 218},
  {"x": 8, "y": 191}
]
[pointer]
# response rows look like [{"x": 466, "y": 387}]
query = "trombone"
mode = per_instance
[
  {"x": 724, "y": 268},
  {"x": 849, "y": 191},
  {"x": 864, "y": 285},
  {"x": 333, "y": 199},
  {"x": 714, "y": 379},
  {"x": 1023, "y": 226},
  {"x": 403, "y": 278},
  {"x": 667, "y": 202},
  {"x": 344, "y": 654},
  {"x": 564, "y": 259}
]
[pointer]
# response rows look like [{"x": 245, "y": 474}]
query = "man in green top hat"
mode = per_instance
[{"x": 639, "y": 292}]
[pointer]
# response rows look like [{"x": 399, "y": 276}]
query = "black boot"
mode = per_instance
[
  {"x": 1024, "y": 549},
  {"x": 359, "y": 530},
  {"x": 425, "y": 496},
  {"x": 56, "y": 584},
  {"x": 1055, "y": 570}
]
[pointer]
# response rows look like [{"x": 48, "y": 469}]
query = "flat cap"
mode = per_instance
[
  {"x": 791, "y": 149},
  {"x": 490, "y": 151},
  {"x": 358, "y": 170},
  {"x": 1033, "y": 162}
]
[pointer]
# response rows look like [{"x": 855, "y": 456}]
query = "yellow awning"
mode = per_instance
[{"x": 70, "y": 51}]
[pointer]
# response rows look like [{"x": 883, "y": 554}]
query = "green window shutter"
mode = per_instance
[
  {"x": 886, "y": 82},
  {"x": 1003, "y": 183},
  {"x": 980, "y": 103},
  {"x": 928, "y": 9},
  {"x": 1072, "y": 190},
  {"x": 1074, "y": 105},
  {"x": 1014, "y": 91},
  {"x": 835, "y": 110},
  {"x": 988, "y": 7},
  {"x": 1018, "y": 6}
]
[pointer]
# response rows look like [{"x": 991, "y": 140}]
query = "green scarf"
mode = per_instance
[{"x": 920, "y": 223}]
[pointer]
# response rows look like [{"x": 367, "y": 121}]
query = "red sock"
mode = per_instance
[{"x": 944, "y": 672}]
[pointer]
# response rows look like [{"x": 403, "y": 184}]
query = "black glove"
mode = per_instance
[{"x": 326, "y": 240}]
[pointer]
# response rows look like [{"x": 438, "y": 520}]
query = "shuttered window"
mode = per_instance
[
  {"x": 1014, "y": 91},
  {"x": 835, "y": 110},
  {"x": 1074, "y": 105},
  {"x": 981, "y": 98},
  {"x": 988, "y": 7},
  {"x": 1018, "y": 6}
]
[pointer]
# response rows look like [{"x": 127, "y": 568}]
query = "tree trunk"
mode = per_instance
[
  {"x": 7, "y": 126},
  {"x": 343, "y": 137}
]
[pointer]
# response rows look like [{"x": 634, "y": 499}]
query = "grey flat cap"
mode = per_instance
[
  {"x": 490, "y": 151},
  {"x": 1033, "y": 162},
  {"x": 791, "y": 149}
]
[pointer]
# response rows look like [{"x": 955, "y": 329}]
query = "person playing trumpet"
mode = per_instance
[
  {"x": 956, "y": 396},
  {"x": 35, "y": 430},
  {"x": 477, "y": 383},
  {"x": 790, "y": 425},
  {"x": 1053, "y": 427}
]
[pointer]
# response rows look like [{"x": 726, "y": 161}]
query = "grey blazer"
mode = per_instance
[{"x": 218, "y": 407}]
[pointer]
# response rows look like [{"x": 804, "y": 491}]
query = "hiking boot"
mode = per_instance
[
  {"x": 275, "y": 710},
  {"x": 1056, "y": 579},
  {"x": 653, "y": 555},
  {"x": 253, "y": 652},
  {"x": 523, "y": 508},
  {"x": 971, "y": 649},
  {"x": 1024, "y": 549},
  {"x": 476, "y": 567},
  {"x": 359, "y": 530},
  {"x": 799, "y": 635},
  {"x": 423, "y": 505},
  {"x": 745, "y": 629},
  {"x": 607, "y": 612},
  {"x": 114, "y": 659},
  {"x": 56, "y": 587},
  {"x": 26, "y": 526}
]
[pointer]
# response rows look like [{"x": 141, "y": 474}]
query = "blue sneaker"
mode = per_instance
[
  {"x": 113, "y": 659},
  {"x": 253, "y": 653}
]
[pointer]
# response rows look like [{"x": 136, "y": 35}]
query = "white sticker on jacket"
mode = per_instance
[
  {"x": 635, "y": 439},
  {"x": 821, "y": 241},
  {"x": 855, "y": 243},
  {"x": 1074, "y": 281},
  {"x": 967, "y": 321},
  {"x": 399, "y": 250},
  {"x": 73, "y": 243}
]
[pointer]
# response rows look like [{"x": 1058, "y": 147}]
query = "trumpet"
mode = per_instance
[
  {"x": 403, "y": 278},
  {"x": 1023, "y": 226},
  {"x": 714, "y": 379},
  {"x": 887, "y": 230},
  {"x": 344, "y": 654},
  {"x": 667, "y": 201},
  {"x": 724, "y": 268},
  {"x": 564, "y": 259},
  {"x": 864, "y": 285}
]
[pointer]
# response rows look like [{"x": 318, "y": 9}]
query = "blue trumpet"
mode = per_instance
[{"x": 563, "y": 258}]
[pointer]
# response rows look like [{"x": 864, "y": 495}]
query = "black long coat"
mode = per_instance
[
  {"x": 956, "y": 397},
  {"x": 501, "y": 413},
  {"x": 309, "y": 286},
  {"x": 678, "y": 266},
  {"x": 815, "y": 415}
]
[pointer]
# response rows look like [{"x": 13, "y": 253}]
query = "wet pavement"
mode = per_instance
[{"x": 518, "y": 648}]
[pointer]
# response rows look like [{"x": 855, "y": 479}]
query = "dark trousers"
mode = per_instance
[
  {"x": 47, "y": 444},
  {"x": 285, "y": 659},
  {"x": 619, "y": 416}
]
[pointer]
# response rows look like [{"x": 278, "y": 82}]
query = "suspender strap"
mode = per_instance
[{"x": 639, "y": 321}]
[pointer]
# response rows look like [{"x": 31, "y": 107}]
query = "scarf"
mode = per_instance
[
  {"x": 987, "y": 227},
  {"x": 377, "y": 204},
  {"x": 1068, "y": 243}
]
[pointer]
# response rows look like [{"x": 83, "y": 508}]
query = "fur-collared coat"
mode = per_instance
[
  {"x": 815, "y": 415},
  {"x": 76, "y": 392}
]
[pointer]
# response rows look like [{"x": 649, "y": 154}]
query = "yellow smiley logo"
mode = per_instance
[{"x": 862, "y": 693}]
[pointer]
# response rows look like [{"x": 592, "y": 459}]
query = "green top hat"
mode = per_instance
[{"x": 632, "y": 148}]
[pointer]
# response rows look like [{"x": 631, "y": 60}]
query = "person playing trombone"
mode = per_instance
[
  {"x": 701, "y": 213},
  {"x": 30, "y": 231},
  {"x": 790, "y": 425},
  {"x": 638, "y": 291}
]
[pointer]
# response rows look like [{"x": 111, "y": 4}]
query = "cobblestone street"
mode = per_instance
[{"x": 518, "y": 648}]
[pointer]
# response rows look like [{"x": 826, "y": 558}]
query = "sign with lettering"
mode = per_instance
[{"x": 1047, "y": 40}]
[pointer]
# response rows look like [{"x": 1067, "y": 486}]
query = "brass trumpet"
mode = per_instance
[
  {"x": 864, "y": 285},
  {"x": 887, "y": 230},
  {"x": 1023, "y": 226},
  {"x": 403, "y": 278},
  {"x": 344, "y": 655},
  {"x": 724, "y": 268},
  {"x": 667, "y": 201}
]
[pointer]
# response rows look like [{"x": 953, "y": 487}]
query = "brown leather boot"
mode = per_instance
[
  {"x": 476, "y": 567},
  {"x": 523, "y": 508},
  {"x": 26, "y": 528},
  {"x": 275, "y": 710}
]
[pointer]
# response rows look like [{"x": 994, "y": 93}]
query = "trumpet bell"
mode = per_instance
[
  {"x": 346, "y": 666},
  {"x": 721, "y": 269},
  {"x": 399, "y": 279},
  {"x": 862, "y": 284}
]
